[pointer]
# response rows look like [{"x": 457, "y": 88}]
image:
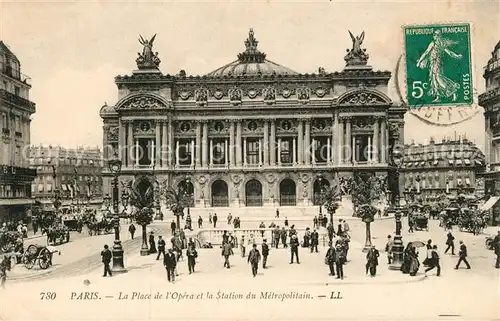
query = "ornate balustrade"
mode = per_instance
[{"x": 214, "y": 236}]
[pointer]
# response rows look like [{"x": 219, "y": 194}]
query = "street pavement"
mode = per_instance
[{"x": 464, "y": 294}]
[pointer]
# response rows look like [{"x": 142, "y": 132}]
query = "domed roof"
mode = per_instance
[{"x": 251, "y": 62}]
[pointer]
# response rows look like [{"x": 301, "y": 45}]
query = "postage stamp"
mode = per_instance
[{"x": 438, "y": 64}]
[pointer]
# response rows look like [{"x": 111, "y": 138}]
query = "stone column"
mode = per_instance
[
  {"x": 369, "y": 155},
  {"x": 244, "y": 151},
  {"x": 204, "y": 145},
  {"x": 307, "y": 143},
  {"x": 333, "y": 141},
  {"x": 279, "y": 151},
  {"x": 376, "y": 136},
  {"x": 192, "y": 152},
  {"x": 272, "y": 147},
  {"x": 340, "y": 142},
  {"x": 300, "y": 142},
  {"x": 294, "y": 151},
  {"x": 313, "y": 153},
  {"x": 238, "y": 143},
  {"x": 164, "y": 145},
  {"x": 348, "y": 138},
  {"x": 353, "y": 146},
  {"x": 266, "y": 143},
  {"x": 232, "y": 159},
  {"x": 383, "y": 140},
  {"x": 130, "y": 144},
  {"x": 158, "y": 143},
  {"x": 137, "y": 152},
  {"x": 153, "y": 153},
  {"x": 121, "y": 141},
  {"x": 198, "y": 143},
  {"x": 171, "y": 142},
  {"x": 211, "y": 153},
  {"x": 260, "y": 152},
  {"x": 226, "y": 152},
  {"x": 176, "y": 153},
  {"x": 328, "y": 149}
]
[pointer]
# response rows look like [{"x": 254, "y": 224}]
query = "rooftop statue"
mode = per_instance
[
  {"x": 356, "y": 56},
  {"x": 147, "y": 60}
]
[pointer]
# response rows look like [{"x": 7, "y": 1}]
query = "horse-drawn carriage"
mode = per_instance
[
  {"x": 72, "y": 222},
  {"x": 10, "y": 241},
  {"x": 421, "y": 222},
  {"x": 37, "y": 254}
]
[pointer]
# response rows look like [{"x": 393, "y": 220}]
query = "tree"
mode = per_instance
[
  {"x": 177, "y": 201},
  {"x": 330, "y": 197},
  {"x": 366, "y": 190},
  {"x": 142, "y": 199}
]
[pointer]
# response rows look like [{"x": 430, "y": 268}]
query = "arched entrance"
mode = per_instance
[
  {"x": 288, "y": 193},
  {"x": 253, "y": 193},
  {"x": 186, "y": 186},
  {"x": 219, "y": 193},
  {"x": 318, "y": 186}
]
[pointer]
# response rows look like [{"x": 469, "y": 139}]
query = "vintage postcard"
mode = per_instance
[{"x": 274, "y": 160}]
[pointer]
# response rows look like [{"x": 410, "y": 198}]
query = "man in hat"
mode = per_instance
[
  {"x": 434, "y": 261},
  {"x": 314, "y": 241},
  {"x": 161, "y": 247},
  {"x": 294, "y": 249},
  {"x": 226, "y": 251},
  {"x": 106, "y": 259},
  {"x": 340, "y": 260},
  {"x": 265, "y": 253},
  {"x": 254, "y": 258},
  {"x": 388, "y": 249},
  {"x": 451, "y": 245},
  {"x": 170, "y": 263},
  {"x": 330, "y": 258},
  {"x": 191, "y": 255},
  {"x": 462, "y": 256}
]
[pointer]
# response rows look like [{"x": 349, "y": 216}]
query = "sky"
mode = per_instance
[{"x": 73, "y": 50}]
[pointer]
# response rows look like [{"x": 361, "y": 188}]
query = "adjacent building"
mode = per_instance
[
  {"x": 490, "y": 100},
  {"x": 252, "y": 132},
  {"x": 15, "y": 112},
  {"x": 447, "y": 167},
  {"x": 75, "y": 173}
]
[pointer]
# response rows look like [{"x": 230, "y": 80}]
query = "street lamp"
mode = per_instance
[
  {"x": 125, "y": 198},
  {"x": 115, "y": 166},
  {"x": 397, "y": 248},
  {"x": 190, "y": 195},
  {"x": 89, "y": 191},
  {"x": 320, "y": 180},
  {"x": 106, "y": 200}
]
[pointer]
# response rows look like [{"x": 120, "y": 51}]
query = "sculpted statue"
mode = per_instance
[
  {"x": 147, "y": 59},
  {"x": 357, "y": 55}
]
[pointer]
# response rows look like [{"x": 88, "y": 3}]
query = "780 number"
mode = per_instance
[
  {"x": 417, "y": 90},
  {"x": 48, "y": 295}
]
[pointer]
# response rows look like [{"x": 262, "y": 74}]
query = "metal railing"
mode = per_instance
[
  {"x": 253, "y": 200},
  {"x": 220, "y": 201},
  {"x": 288, "y": 200}
]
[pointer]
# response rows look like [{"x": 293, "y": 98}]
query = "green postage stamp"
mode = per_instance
[{"x": 438, "y": 65}]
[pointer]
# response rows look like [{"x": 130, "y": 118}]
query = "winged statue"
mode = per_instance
[
  {"x": 147, "y": 59},
  {"x": 356, "y": 55}
]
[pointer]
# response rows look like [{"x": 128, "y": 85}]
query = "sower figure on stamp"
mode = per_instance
[
  {"x": 265, "y": 253},
  {"x": 253, "y": 259},
  {"x": 106, "y": 260},
  {"x": 330, "y": 258},
  {"x": 462, "y": 256},
  {"x": 170, "y": 264}
]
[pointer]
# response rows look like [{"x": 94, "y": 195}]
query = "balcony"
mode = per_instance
[
  {"x": 489, "y": 97},
  {"x": 17, "y": 100},
  {"x": 14, "y": 73}
]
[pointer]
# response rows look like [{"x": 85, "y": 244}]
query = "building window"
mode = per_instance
[
  {"x": 184, "y": 152},
  {"x": 218, "y": 154},
  {"x": 252, "y": 151},
  {"x": 17, "y": 91},
  {"x": 321, "y": 149},
  {"x": 5, "y": 123},
  {"x": 286, "y": 149}
]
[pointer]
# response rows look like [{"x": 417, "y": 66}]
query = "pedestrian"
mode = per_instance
[
  {"x": 262, "y": 226},
  {"x": 315, "y": 222},
  {"x": 210, "y": 218},
  {"x": 388, "y": 249},
  {"x": 276, "y": 236},
  {"x": 451, "y": 245},
  {"x": 497, "y": 252},
  {"x": 434, "y": 261},
  {"x": 277, "y": 213},
  {"x": 214, "y": 219},
  {"x": 173, "y": 227},
  {"x": 152, "y": 245},
  {"x": 191, "y": 254},
  {"x": 200, "y": 222},
  {"x": 161, "y": 247},
  {"x": 283, "y": 237},
  {"x": 226, "y": 252},
  {"x": 229, "y": 219},
  {"x": 314, "y": 241},
  {"x": 428, "y": 246},
  {"x": 242, "y": 246},
  {"x": 4, "y": 267},
  {"x": 330, "y": 258},
  {"x": 346, "y": 228},
  {"x": 265, "y": 253},
  {"x": 340, "y": 260},
  {"x": 170, "y": 263},
  {"x": 331, "y": 232},
  {"x": 106, "y": 260},
  {"x": 294, "y": 249},
  {"x": 462, "y": 256},
  {"x": 411, "y": 223},
  {"x": 372, "y": 261},
  {"x": 254, "y": 258},
  {"x": 286, "y": 221},
  {"x": 131, "y": 230},
  {"x": 339, "y": 228}
]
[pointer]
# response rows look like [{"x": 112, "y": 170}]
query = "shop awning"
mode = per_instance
[{"x": 490, "y": 203}]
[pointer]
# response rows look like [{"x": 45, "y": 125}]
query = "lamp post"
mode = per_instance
[
  {"x": 125, "y": 198},
  {"x": 89, "y": 191},
  {"x": 397, "y": 247},
  {"x": 320, "y": 181},
  {"x": 106, "y": 200},
  {"x": 190, "y": 196},
  {"x": 115, "y": 166}
]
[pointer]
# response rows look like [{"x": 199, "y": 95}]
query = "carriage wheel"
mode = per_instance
[
  {"x": 29, "y": 257},
  {"x": 44, "y": 258}
]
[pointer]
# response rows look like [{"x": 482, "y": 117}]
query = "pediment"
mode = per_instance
[
  {"x": 142, "y": 101},
  {"x": 363, "y": 97}
]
